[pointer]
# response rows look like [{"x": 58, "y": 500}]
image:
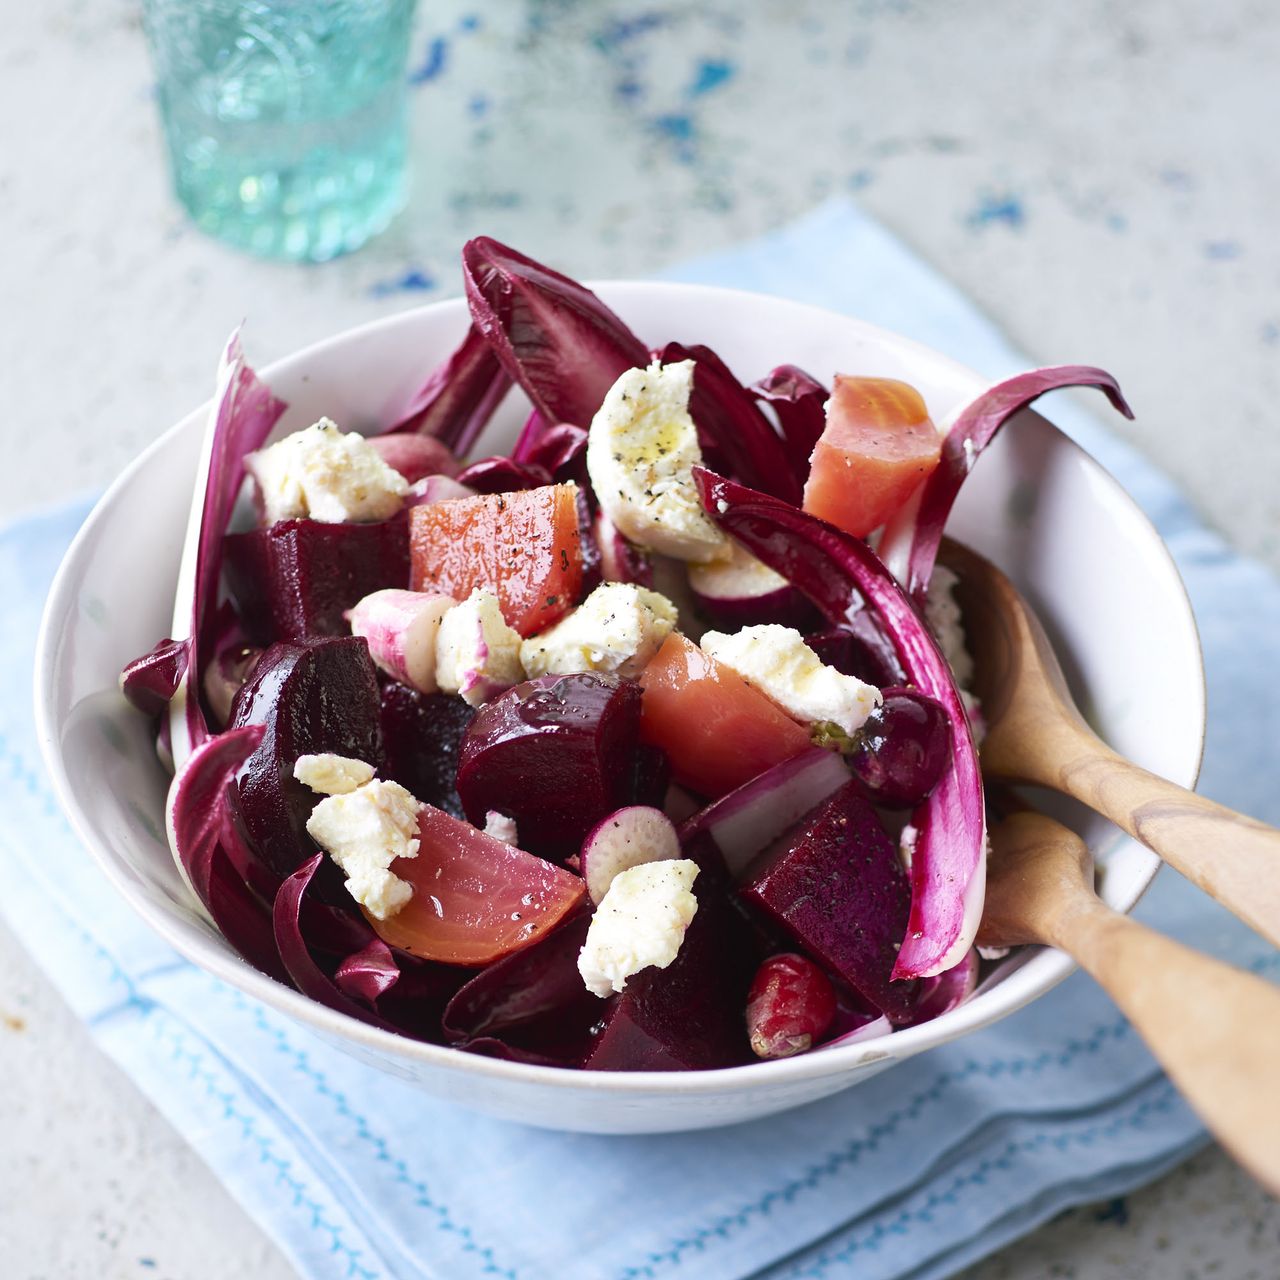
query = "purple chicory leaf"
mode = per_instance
[
  {"x": 909, "y": 544},
  {"x": 197, "y": 802},
  {"x": 872, "y": 1029},
  {"x": 532, "y": 431},
  {"x": 562, "y": 451},
  {"x": 843, "y": 577},
  {"x": 945, "y": 991},
  {"x": 551, "y": 334},
  {"x": 502, "y": 475},
  {"x": 800, "y": 401},
  {"x": 196, "y": 816},
  {"x": 367, "y": 973},
  {"x": 302, "y": 968},
  {"x": 730, "y": 421},
  {"x": 241, "y": 417},
  {"x": 459, "y": 397},
  {"x": 149, "y": 682}
]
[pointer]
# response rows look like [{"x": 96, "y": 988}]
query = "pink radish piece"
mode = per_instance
[
  {"x": 625, "y": 839},
  {"x": 415, "y": 456},
  {"x": 620, "y": 561},
  {"x": 401, "y": 628},
  {"x": 743, "y": 591},
  {"x": 751, "y": 817},
  {"x": 434, "y": 488}
]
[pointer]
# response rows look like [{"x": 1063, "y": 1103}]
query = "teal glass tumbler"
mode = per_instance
[{"x": 285, "y": 120}]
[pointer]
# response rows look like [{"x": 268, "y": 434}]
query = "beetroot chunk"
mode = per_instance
[
  {"x": 835, "y": 883},
  {"x": 310, "y": 696},
  {"x": 556, "y": 754},
  {"x": 296, "y": 578},
  {"x": 422, "y": 734},
  {"x": 688, "y": 1016}
]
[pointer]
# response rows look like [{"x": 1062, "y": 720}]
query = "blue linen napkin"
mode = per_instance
[{"x": 916, "y": 1173}]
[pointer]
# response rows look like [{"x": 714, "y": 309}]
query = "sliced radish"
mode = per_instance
[
  {"x": 620, "y": 560},
  {"x": 625, "y": 839},
  {"x": 742, "y": 590},
  {"x": 401, "y": 628},
  {"x": 435, "y": 488},
  {"x": 415, "y": 457}
]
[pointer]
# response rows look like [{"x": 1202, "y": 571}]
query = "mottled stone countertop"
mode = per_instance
[{"x": 1102, "y": 177}]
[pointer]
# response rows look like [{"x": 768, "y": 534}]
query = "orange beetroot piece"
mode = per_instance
[
  {"x": 878, "y": 447},
  {"x": 522, "y": 546},
  {"x": 716, "y": 729},
  {"x": 475, "y": 899}
]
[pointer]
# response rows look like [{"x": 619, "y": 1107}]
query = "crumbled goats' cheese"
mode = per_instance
[
  {"x": 477, "y": 654},
  {"x": 325, "y": 474},
  {"x": 364, "y": 831},
  {"x": 332, "y": 775},
  {"x": 778, "y": 662},
  {"x": 641, "y": 921},
  {"x": 617, "y": 628},
  {"x": 500, "y": 827},
  {"x": 641, "y": 451}
]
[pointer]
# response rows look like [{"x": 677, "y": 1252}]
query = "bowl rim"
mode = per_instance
[{"x": 985, "y": 1009}]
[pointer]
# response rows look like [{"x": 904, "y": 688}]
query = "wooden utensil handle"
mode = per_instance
[
  {"x": 1234, "y": 859},
  {"x": 1214, "y": 1028}
]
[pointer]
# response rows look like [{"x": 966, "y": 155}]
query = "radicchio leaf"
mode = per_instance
[
  {"x": 242, "y": 414},
  {"x": 800, "y": 401},
  {"x": 459, "y": 397},
  {"x": 503, "y": 475},
  {"x": 301, "y": 965},
  {"x": 196, "y": 819},
  {"x": 149, "y": 682},
  {"x": 368, "y": 973},
  {"x": 730, "y": 421},
  {"x": 945, "y": 991},
  {"x": 843, "y": 577},
  {"x": 909, "y": 544},
  {"x": 551, "y": 334}
]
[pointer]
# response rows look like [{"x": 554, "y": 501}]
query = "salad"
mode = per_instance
[{"x": 643, "y": 747}]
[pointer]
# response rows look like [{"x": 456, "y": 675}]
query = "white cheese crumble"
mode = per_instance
[
  {"x": 617, "y": 628},
  {"x": 777, "y": 661},
  {"x": 477, "y": 654},
  {"x": 325, "y": 474},
  {"x": 907, "y": 846},
  {"x": 332, "y": 775},
  {"x": 641, "y": 449},
  {"x": 364, "y": 831},
  {"x": 639, "y": 923},
  {"x": 500, "y": 827}
]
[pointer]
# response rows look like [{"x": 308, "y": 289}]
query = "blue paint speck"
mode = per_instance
[
  {"x": 1117, "y": 222},
  {"x": 1177, "y": 179},
  {"x": 149, "y": 1263},
  {"x": 433, "y": 62},
  {"x": 992, "y": 208},
  {"x": 624, "y": 30},
  {"x": 478, "y": 106},
  {"x": 469, "y": 22},
  {"x": 679, "y": 129},
  {"x": 711, "y": 74},
  {"x": 1222, "y": 250},
  {"x": 629, "y": 89},
  {"x": 1270, "y": 333},
  {"x": 414, "y": 280},
  {"x": 1116, "y": 1211},
  {"x": 860, "y": 178}
]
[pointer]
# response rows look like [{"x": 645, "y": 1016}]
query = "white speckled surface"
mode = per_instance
[{"x": 1101, "y": 177}]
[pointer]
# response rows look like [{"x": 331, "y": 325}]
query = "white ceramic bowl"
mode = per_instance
[{"x": 1037, "y": 505}]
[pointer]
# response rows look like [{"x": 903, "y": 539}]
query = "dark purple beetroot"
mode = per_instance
[
  {"x": 295, "y": 579},
  {"x": 835, "y": 883},
  {"x": 422, "y": 736},
  {"x": 533, "y": 1002},
  {"x": 689, "y": 1016},
  {"x": 652, "y": 776},
  {"x": 862, "y": 650},
  {"x": 901, "y": 751},
  {"x": 310, "y": 696},
  {"x": 556, "y": 754}
]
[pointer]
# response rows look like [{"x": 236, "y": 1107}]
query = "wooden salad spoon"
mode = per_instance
[
  {"x": 1215, "y": 1029},
  {"x": 1035, "y": 734}
]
